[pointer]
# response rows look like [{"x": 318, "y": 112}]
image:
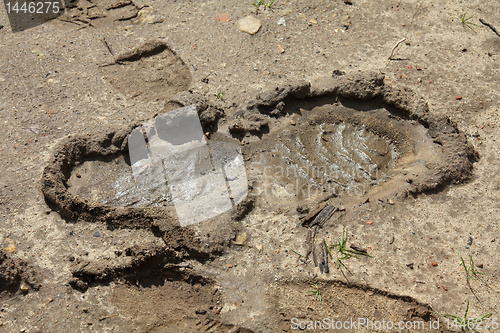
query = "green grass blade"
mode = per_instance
[
  {"x": 327, "y": 248},
  {"x": 296, "y": 252}
]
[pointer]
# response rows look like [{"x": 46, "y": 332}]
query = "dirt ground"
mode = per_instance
[{"x": 75, "y": 258}]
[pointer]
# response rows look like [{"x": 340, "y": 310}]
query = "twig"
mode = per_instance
[
  {"x": 108, "y": 64},
  {"x": 322, "y": 258},
  {"x": 325, "y": 254},
  {"x": 68, "y": 21},
  {"x": 75, "y": 21},
  {"x": 309, "y": 243},
  {"x": 110, "y": 316},
  {"x": 395, "y": 47},
  {"x": 315, "y": 257},
  {"x": 358, "y": 248},
  {"x": 306, "y": 220},
  {"x": 103, "y": 40},
  {"x": 323, "y": 216},
  {"x": 490, "y": 26}
]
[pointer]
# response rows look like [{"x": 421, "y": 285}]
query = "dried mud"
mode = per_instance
[
  {"x": 361, "y": 143},
  {"x": 344, "y": 305},
  {"x": 431, "y": 151},
  {"x": 15, "y": 273},
  {"x": 412, "y": 151}
]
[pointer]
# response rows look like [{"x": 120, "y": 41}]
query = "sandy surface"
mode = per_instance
[{"x": 88, "y": 76}]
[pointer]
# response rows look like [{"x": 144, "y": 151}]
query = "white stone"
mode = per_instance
[{"x": 249, "y": 24}]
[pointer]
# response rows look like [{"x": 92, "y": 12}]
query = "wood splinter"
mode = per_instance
[
  {"x": 395, "y": 47},
  {"x": 324, "y": 215},
  {"x": 323, "y": 258}
]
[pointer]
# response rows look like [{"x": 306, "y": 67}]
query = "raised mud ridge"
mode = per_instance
[{"x": 432, "y": 151}]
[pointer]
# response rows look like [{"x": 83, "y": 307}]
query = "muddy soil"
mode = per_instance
[{"x": 401, "y": 153}]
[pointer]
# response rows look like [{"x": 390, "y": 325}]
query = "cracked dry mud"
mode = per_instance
[{"x": 88, "y": 254}]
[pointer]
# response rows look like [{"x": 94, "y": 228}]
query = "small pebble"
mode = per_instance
[
  {"x": 241, "y": 239},
  {"x": 11, "y": 248},
  {"x": 249, "y": 24},
  {"x": 282, "y": 22},
  {"x": 24, "y": 289}
]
